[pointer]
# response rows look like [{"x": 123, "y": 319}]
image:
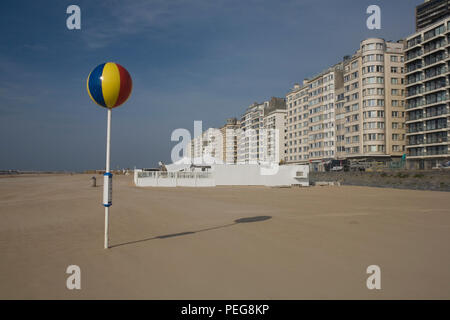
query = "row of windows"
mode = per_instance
[{"x": 372, "y": 46}]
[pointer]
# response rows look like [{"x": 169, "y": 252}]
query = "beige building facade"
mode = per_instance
[
  {"x": 274, "y": 133},
  {"x": 353, "y": 110},
  {"x": 370, "y": 109},
  {"x": 310, "y": 121},
  {"x": 230, "y": 133}
]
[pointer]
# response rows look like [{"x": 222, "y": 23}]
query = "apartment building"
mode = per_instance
[
  {"x": 194, "y": 149},
  {"x": 257, "y": 129},
  {"x": 430, "y": 12},
  {"x": 248, "y": 140},
  {"x": 427, "y": 95},
  {"x": 310, "y": 121},
  {"x": 353, "y": 110},
  {"x": 207, "y": 147},
  {"x": 370, "y": 109},
  {"x": 230, "y": 132},
  {"x": 274, "y": 133}
]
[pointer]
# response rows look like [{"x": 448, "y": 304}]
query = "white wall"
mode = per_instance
[
  {"x": 253, "y": 174},
  {"x": 228, "y": 175}
]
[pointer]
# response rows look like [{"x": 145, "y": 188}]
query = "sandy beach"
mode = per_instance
[{"x": 221, "y": 242}]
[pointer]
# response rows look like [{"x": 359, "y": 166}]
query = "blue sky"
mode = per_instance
[{"x": 189, "y": 59}]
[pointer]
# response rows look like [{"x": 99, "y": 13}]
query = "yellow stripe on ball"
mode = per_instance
[{"x": 110, "y": 84}]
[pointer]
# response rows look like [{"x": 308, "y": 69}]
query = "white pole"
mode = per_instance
[{"x": 106, "y": 186}]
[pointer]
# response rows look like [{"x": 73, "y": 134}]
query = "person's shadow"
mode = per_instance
[{"x": 237, "y": 221}]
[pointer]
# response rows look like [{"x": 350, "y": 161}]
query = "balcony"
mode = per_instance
[
  {"x": 412, "y": 93},
  {"x": 438, "y": 73},
  {"x": 415, "y": 143},
  {"x": 432, "y": 36},
  {"x": 434, "y": 60},
  {"x": 411, "y": 57},
  {"x": 415, "y": 105},
  {"x": 436, "y": 140},
  {"x": 438, "y": 88},
  {"x": 414, "y": 130},
  {"x": 437, "y": 101},
  {"x": 416, "y": 152},
  {"x": 437, "y": 150},
  {"x": 411, "y": 80},
  {"x": 429, "y": 50},
  {"x": 414, "y": 117},
  {"x": 413, "y": 42},
  {"x": 413, "y": 68},
  {"x": 435, "y": 112}
]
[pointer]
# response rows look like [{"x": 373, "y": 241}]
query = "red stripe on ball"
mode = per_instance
[{"x": 126, "y": 85}]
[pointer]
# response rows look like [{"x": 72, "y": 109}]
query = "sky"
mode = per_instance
[{"x": 189, "y": 60}]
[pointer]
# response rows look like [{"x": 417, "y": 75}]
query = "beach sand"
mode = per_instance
[{"x": 184, "y": 243}]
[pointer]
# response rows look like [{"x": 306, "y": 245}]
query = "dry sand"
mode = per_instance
[{"x": 182, "y": 243}]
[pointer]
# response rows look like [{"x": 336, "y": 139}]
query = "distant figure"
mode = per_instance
[
  {"x": 93, "y": 182},
  {"x": 162, "y": 166}
]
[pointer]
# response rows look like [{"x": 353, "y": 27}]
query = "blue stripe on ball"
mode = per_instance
[{"x": 95, "y": 85}]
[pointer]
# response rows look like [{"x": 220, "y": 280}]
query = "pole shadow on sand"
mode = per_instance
[{"x": 237, "y": 221}]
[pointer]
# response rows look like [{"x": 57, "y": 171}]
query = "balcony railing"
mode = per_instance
[
  {"x": 436, "y": 151},
  {"x": 439, "y": 71},
  {"x": 413, "y": 42},
  {"x": 436, "y": 140},
  {"x": 435, "y": 59},
  {"x": 444, "y": 100},
  {"x": 411, "y": 80},
  {"x": 435, "y": 113},
  {"x": 438, "y": 45},
  {"x": 411, "y": 93},
  {"x": 421, "y": 103},
  {"x": 414, "y": 67},
  {"x": 413, "y": 118},
  {"x": 414, "y": 55}
]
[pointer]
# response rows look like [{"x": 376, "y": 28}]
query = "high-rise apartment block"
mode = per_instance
[
  {"x": 387, "y": 101},
  {"x": 355, "y": 109},
  {"x": 310, "y": 123},
  {"x": 274, "y": 135},
  {"x": 207, "y": 146},
  {"x": 427, "y": 95},
  {"x": 230, "y": 132},
  {"x": 431, "y": 12},
  {"x": 262, "y": 132},
  {"x": 370, "y": 110},
  {"x": 216, "y": 145},
  {"x": 258, "y": 137},
  {"x": 248, "y": 143}
]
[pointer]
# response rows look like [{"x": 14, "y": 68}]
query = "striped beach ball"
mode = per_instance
[{"x": 109, "y": 85}]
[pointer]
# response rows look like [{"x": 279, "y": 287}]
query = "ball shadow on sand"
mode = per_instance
[{"x": 179, "y": 234}]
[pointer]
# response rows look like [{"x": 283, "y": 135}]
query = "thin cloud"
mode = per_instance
[{"x": 119, "y": 19}]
